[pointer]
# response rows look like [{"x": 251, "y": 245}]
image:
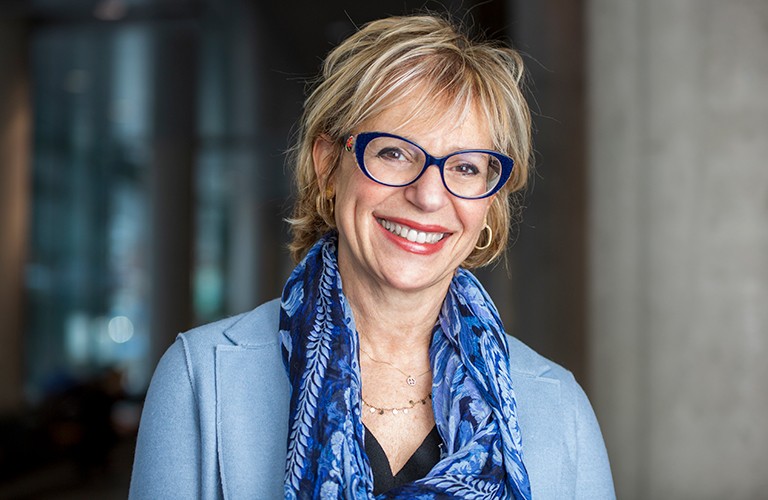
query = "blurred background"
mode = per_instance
[{"x": 143, "y": 187}]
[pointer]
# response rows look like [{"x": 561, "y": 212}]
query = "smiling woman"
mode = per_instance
[
  {"x": 445, "y": 76},
  {"x": 384, "y": 370},
  {"x": 374, "y": 260}
]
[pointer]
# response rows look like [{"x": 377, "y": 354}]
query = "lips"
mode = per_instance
[{"x": 410, "y": 233}]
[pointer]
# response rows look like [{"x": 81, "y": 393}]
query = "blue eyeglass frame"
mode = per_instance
[{"x": 362, "y": 139}]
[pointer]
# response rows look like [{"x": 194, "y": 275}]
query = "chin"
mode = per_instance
[{"x": 412, "y": 279}]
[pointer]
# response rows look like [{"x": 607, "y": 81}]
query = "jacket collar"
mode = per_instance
[{"x": 256, "y": 328}]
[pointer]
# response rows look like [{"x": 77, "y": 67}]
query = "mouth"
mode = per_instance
[{"x": 411, "y": 234}]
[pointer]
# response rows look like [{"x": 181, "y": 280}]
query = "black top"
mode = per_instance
[{"x": 421, "y": 462}]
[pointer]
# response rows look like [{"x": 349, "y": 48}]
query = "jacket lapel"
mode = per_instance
[{"x": 252, "y": 402}]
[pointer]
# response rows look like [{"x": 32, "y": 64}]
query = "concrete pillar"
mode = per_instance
[
  {"x": 15, "y": 124},
  {"x": 679, "y": 244}
]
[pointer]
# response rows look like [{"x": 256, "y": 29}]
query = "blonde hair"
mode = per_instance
[{"x": 387, "y": 60}]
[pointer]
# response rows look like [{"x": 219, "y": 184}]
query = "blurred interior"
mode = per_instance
[{"x": 144, "y": 183}]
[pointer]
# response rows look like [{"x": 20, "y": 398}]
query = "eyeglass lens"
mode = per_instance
[{"x": 393, "y": 161}]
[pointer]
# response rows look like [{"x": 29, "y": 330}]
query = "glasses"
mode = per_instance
[{"x": 394, "y": 161}]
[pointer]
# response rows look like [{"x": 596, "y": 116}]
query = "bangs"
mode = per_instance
[{"x": 444, "y": 89}]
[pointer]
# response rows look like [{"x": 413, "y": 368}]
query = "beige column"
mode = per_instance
[
  {"x": 15, "y": 117},
  {"x": 679, "y": 244}
]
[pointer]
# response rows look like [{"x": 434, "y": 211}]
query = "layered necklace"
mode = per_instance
[
  {"x": 409, "y": 379},
  {"x": 395, "y": 411}
]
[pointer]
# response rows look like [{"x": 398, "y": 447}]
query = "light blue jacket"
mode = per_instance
[{"x": 215, "y": 420}]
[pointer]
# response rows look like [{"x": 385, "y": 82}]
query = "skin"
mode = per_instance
[{"x": 396, "y": 287}]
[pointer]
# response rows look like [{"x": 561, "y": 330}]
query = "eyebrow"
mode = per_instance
[{"x": 452, "y": 149}]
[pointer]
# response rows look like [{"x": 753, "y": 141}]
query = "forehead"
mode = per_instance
[{"x": 446, "y": 123}]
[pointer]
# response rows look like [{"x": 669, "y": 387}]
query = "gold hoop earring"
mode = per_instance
[
  {"x": 324, "y": 204},
  {"x": 490, "y": 238}
]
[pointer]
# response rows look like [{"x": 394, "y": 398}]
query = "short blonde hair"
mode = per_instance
[{"x": 387, "y": 60}]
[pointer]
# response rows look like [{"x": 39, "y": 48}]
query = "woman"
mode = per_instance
[{"x": 384, "y": 369}]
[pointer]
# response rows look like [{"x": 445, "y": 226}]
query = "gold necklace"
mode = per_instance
[
  {"x": 409, "y": 379},
  {"x": 404, "y": 410}
]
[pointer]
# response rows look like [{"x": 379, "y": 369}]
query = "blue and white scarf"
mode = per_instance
[{"x": 472, "y": 395}]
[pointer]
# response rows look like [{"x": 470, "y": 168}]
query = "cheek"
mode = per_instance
[
  {"x": 358, "y": 193},
  {"x": 352, "y": 200},
  {"x": 473, "y": 216}
]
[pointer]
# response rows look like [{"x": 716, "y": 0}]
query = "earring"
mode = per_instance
[
  {"x": 490, "y": 238},
  {"x": 324, "y": 204}
]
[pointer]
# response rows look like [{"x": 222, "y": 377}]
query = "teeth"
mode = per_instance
[{"x": 411, "y": 234}]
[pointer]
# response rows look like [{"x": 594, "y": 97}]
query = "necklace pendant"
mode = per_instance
[{"x": 410, "y": 381}]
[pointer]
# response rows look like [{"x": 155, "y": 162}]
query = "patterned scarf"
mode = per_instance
[{"x": 472, "y": 395}]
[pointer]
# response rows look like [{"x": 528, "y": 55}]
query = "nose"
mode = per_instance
[{"x": 428, "y": 193}]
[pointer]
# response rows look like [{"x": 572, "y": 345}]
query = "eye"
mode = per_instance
[
  {"x": 465, "y": 169},
  {"x": 392, "y": 154}
]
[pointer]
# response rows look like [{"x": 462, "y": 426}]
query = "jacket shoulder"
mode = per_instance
[
  {"x": 257, "y": 327},
  {"x": 525, "y": 361}
]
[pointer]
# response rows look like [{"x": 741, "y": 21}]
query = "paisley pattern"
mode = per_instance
[{"x": 472, "y": 396}]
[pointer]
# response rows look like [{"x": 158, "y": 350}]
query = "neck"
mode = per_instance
[{"x": 394, "y": 324}]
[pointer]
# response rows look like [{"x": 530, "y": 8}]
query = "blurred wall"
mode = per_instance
[
  {"x": 679, "y": 244},
  {"x": 15, "y": 118}
]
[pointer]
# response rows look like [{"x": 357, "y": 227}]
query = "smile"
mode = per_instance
[{"x": 409, "y": 233}]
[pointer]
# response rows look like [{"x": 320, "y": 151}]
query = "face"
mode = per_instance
[{"x": 374, "y": 220}]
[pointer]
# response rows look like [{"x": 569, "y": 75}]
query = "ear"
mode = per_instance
[{"x": 323, "y": 156}]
